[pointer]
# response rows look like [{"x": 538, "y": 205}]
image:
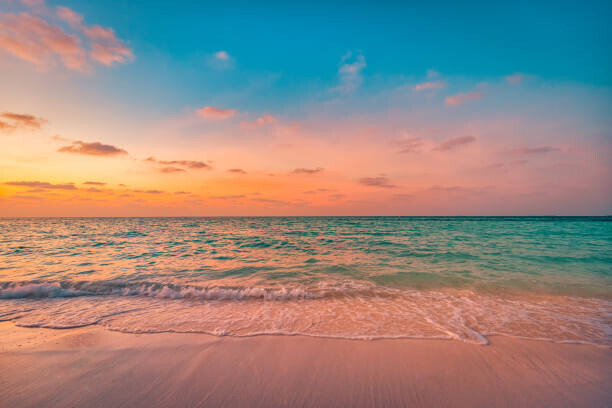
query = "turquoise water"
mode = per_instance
[{"x": 461, "y": 278}]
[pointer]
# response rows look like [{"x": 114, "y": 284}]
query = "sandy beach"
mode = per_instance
[{"x": 94, "y": 367}]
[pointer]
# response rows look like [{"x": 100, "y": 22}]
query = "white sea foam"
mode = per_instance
[
  {"x": 38, "y": 290},
  {"x": 341, "y": 309}
]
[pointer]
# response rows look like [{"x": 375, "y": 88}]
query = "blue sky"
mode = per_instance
[{"x": 349, "y": 78}]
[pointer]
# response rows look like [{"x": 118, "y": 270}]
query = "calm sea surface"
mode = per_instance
[{"x": 363, "y": 278}]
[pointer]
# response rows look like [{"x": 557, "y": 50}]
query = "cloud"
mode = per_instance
[
  {"x": 379, "y": 181},
  {"x": 106, "y": 48},
  {"x": 171, "y": 169},
  {"x": 430, "y": 85},
  {"x": 307, "y": 171},
  {"x": 222, "y": 55},
  {"x": 534, "y": 150},
  {"x": 42, "y": 185},
  {"x": 23, "y": 119},
  {"x": 461, "y": 98},
  {"x": 94, "y": 183},
  {"x": 454, "y": 143},
  {"x": 6, "y": 126},
  {"x": 212, "y": 113},
  {"x": 26, "y": 35},
  {"x": 411, "y": 145},
  {"x": 191, "y": 164},
  {"x": 515, "y": 78},
  {"x": 261, "y": 121},
  {"x": 221, "y": 60},
  {"x": 237, "y": 171},
  {"x": 349, "y": 73},
  {"x": 228, "y": 197},
  {"x": 93, "y": 149},
  {"x": 34, "y": 40}
]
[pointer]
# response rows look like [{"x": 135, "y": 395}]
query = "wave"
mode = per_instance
[
  {"x": 39, "y": 290},
  {"x": 335, "y": 309}
]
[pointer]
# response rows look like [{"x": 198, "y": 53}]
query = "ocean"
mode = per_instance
[{"x": 460, "y": 278}]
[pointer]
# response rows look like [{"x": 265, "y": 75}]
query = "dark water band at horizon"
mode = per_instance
[{"x": 356, "y": 277}]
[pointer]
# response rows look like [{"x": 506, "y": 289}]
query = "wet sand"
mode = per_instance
[{"x": 93, "y": 367}]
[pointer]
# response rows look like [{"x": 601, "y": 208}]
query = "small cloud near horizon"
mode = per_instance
[
  {"x": 379, "y": 181},
  {"x": 42, "y": 185},
  {"x": 461, "y": 98},
  {"x": 191, "y": 164},
  {"x": 307, "y": 171},
  {"x": 92, "y": 149},
  {"x": 454, "y": 143},
  {"x": 213, "y": 113},
  {"x": 534, "y": 150},
  {"x": 237, "y": 171}
]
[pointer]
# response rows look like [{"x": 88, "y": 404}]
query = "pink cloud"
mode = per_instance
[
  {"x": 23, "y": 119},
  {"x": 106, "y": 48},
  {"x": 212, "y": 113},
  {"x": 430, "y": 85},
  {"x": 461, "y": 98},
  {"x": 516, "y": 78},
  {"x": 92, "y": 149},
  {"x": 222, "y": 55},
  {"x": 534, "y": 150},
  {"x": 34, "y": 40},
  {"x": 455, "y": 142},
  {"x": 264, "y": 120}
]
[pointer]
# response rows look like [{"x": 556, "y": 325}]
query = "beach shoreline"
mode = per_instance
[{"x": 94, "y": 367}]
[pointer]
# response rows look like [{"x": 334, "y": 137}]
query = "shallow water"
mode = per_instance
[{"x": 375, "y": 277}]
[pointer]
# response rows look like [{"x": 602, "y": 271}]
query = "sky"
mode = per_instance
[{"x": 201, "y": 108}]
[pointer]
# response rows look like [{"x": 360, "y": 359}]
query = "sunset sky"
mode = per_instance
[{"x": 127, "y": 108}]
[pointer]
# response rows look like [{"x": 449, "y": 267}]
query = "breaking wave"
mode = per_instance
[{"x": 339, "y": 309}]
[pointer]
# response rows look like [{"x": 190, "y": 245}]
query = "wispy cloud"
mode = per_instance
[
  {"x": 307, "y": 171},
  {"x": 33, "y": 35},
  {"x": 42, "y": 185},
  {"x": 261, "y": 121},
  {"x": 170, "y": 169},
  {"x": 213, "y": 113},
  {"x": 534, "y": 150},
  {"x": 349, "y": 73},
  {"x": 237, "y": 171},
  {"x": 92, "y": 149},
  {"x": 191, "y": 164},
  {"x": 94, "y": 183},
  {"x": 32, "y": 39},
  {"x": 410, "y": 145},
  {"x": 221, "y": 60},
  {"x": 454, "y": 143},
  {"x": 106, "y": 48},
  {"x": 461, "y": 98},
  {"x": 22, "y": 120},
  {"x": 430, "y": 85},
  {"x": 379, "y": 181},
  {"x": 515, "y": 78}
]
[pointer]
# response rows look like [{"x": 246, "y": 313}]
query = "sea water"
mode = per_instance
[{"x": 463, "y": 278}]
